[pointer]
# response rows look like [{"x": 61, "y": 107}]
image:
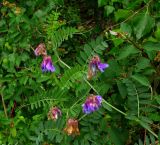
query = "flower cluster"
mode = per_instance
[
  {"x": 92, "y": 104},
  {"x": 54, "y": 113},
  {"x": 47, "y": 65},
  {"x": 95, "y": 65}
]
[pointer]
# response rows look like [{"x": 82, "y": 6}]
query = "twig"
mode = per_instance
[
  {"x": 82, "y": 117},
  {"x": 114, "y": 108},
  {"x": 4, "y": 106},
  {"x": 130, "y": 16}
]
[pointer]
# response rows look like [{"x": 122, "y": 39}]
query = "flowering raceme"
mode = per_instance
[
  {"x": 54, "y": 113},
  {"x": 47, "y": 64},
  {"x": 72, "y": 127},
  {"x": 95, "y": 65},
  {"x": 92, "y": 104}
]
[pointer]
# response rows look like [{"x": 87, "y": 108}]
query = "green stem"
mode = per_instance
[
  {"x": 4, "y": 106},
  {"x": 82, "y": 117},
  {"x": 64, "y": 63},
  {"x": 76, "y": 102},
  {"x": 138, "y": 112},
  {"x": 114, "y": 107},
  {"x": 91, "y": 86},
  {"x": 152, "y": 132},
  {"x": 151, "y": 92}
]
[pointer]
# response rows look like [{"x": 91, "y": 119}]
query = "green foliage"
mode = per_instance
[
  {"x": 124, "y": 34},
  {"x": 60, "y": 35},
  {"x": 90, "y": 49}
]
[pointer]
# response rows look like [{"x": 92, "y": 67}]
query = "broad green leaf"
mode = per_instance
[
  {"x": 141, "y": 79},
  {"x": 140, "y": 142},
  {"x": 126, "y": 28},
  {"x": 157, "y": 33},
  {"x": 143, "y": 23},
  {"x": 158, "y": 99},
  {"x": 13, "y": 132},
  {"x": 117, "y": 41},
  {"x": 108, "y": 10},
  {"x": 151, "y": 46},
  {"x": 142, "y": 64},
  {"x": 127, "y": 51},
  {"x": 122, "y": 89},
  {"x": 115, "y": 136},
  {"x": 121, "y": 14},
  {"x": 102, "y": 3}
]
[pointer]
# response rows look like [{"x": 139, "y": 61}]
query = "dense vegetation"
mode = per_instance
[{"x": 83, "y": 72}]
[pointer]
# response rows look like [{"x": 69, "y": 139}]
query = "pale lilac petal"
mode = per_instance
[
  {"x": 99, "y": 99},
  {"x": 102, "y": 66}
]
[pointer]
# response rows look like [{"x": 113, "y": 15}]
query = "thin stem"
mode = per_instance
[
  {"x": 130, "y": 17},
  {"x": 64, "y": 64},
  {"x": 4, "y": 106},
  {"x": 91, "y": 86},
  {"x": 82, "y": 117},
  {"x": 76, "y": 103},
  {"x": 151, "y": 92},
  {"x": 138, "y": 112},
  {"x": 114, "y": 107},
  {"x": 59, "y": 59},
  {"x": 152, "y": 132}
]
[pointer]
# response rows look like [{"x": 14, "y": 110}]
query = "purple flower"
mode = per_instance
[
  {"x": 54, "y": 113},
  {"x": 40, "y": 50},
  {"x": 47, "y": 64},
  {"x": 92, "y": 104},
  {"x": 102, "y": 66},
  {"x": 95, "y": 65}
]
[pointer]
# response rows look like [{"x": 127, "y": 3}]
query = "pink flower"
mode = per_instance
[
  {"x": 92, "y": 104},
  {"x": 40, "y": 50},
  {"x": 95, "y": 65},
  {"x": 47, "y": 64},
  {"x": 54, "y": 113}
]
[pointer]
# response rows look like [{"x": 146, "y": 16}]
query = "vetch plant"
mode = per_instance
[
  {"x": 54, "y": 113},
  {"x": 106, "y": 87}
]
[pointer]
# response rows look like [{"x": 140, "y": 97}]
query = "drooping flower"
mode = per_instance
[
  {"x": 47, "y": 64},
  {"x": 92, "y": 104},
  {"x": 54, "y": 113},
  {"x": 95, "y": 65},
  {"x": 72, "y": 127},
  {"x": 40, "y": 50}
]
